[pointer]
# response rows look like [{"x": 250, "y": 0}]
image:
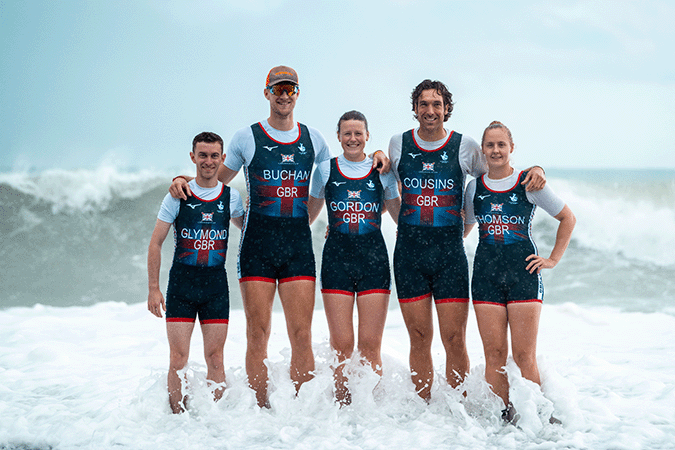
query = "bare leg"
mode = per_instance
[
  {"x": 339, "y": 314},
  {"x": 452, "y": 318},
  {"x": 297, "y": 299},
  {"x": 179, "y": 334},
  {"x": 492, "y": 325},
  {"x": 524, "y": 323},
  {"x": 372, "y": 316},
  {"x": 214, "y": 342},
  {"x": 258, "y": 297},
  {"x": 418, "y": 320}
]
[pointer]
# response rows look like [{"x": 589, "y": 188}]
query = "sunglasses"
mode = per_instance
[{"x": 279, "y": 89}]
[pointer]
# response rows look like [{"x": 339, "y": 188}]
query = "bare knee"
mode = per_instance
[
  {"x": 420, "y": 337},
  {"x": 454, "y": 344},
  {"x": 496, "y": 356},
  {"x": 343, "y": 347},
  {"x": 257, "y": 337},
  {"x": 370, "y": 348},
  {"x": 178, "y": 359},
  {"x": 454, "y": 339},
  {"x": 300, "y": 336},
  {"x": 525, "y": 360},
  {"x": 214, "y": 359}
]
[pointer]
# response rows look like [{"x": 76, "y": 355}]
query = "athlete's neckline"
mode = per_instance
[
  {"x": 337, "y": 164},
  {"x": 447, "y": 139},
  {"x": 297, "y": 124},
  {"x": 222, "y": 188},
  {"x": 485, "y": 177}
]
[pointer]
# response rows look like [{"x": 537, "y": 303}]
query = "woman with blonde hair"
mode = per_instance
[{"x": 506, "y": 285}]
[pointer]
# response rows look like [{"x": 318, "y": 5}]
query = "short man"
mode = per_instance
[
  {"x": 430, "y": 163},
  {"x": 277, "y": 155},
  {"x": 197, "y": 280}
]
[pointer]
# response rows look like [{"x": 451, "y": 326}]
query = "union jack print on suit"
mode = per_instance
[
  {"x": 278, "y": 175},
  {"x": 503, "y": 222},
  {"x": 431, "y": 185}
]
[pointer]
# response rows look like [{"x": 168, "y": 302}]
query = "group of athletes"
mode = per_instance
[{"x": 420, "y": 184}]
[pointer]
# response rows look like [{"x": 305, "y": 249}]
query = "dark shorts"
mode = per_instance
[
  {"x": 276, "y": 248},
  {"x": 355, "y": 264},
  {"x": 197, "y": 291},
  {"x": 431, "y": 260},
  {"x": 500, "y": 278}
]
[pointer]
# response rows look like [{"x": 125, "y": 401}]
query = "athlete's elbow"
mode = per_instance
[{"x": 570, "y": 220}]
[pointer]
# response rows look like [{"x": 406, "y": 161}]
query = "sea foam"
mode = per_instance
[{"x": 95, "y": 378}]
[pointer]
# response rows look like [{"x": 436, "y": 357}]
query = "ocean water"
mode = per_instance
[{"x": 83, "y": 364}]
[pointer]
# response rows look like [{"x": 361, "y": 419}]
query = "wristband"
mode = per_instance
[{"x": 179, "y": 176}]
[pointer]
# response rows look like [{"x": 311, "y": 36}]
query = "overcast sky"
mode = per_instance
[{"x": 582, "y": 84}]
